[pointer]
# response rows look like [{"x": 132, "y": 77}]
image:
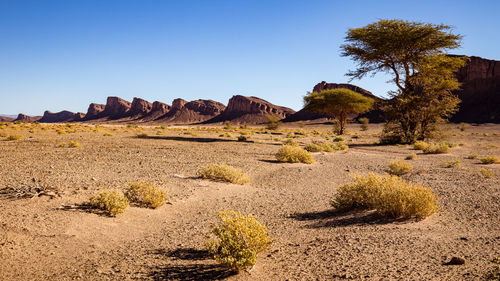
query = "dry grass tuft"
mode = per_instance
[
  {"x": 471, "y": 156},
  {"x": 389, "y": 195},
  {"x": 294, "y": 154},
  {"x": 452, "y": 164},
  {"x": 437, "y": 148},
  {"x": 238, "y": 240},
  {"x": 492, "y": 159},
  {"x": 486, "y": 173},
  {"x": 223, "y": 172},
  {"x": 420, "y": 145},
  {"x": 146, "y": 194},
  {"x": 14, "y": 137},
  {"x": 291, "y": 142},
  {"x": 74, "y": 144},
  {"x": 399, "y": 167},
  {"x": 112, "y": 202},
  {"x": 412, "y": 156}
]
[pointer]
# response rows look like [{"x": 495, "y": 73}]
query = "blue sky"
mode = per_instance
[{"x": 66, "y": 54}]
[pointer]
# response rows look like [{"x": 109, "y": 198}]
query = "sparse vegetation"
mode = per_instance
[
  {"x": 294, "y": 154},
  {"x": 108, "y": 134},
  {"x": 486, "y": 173},
  {"x": 146, "y": 194},
  {"x": 364, "y": 123},
  {"x": 420, "y": 145},
  {"x": 291, "y": 142},
  {"x": 412, "y": 156},
  {"x": 14, "y": 137},
  {"x": 62, "y": 144},
  {"x": 74, "y": 144},
  {"x": 437, "y": 148},
  {"x": 238, "y": 240},
  {"x": 399, "y": 167},
  {"x": 273, "y": 122},
  {"x": 242, "y": 138},
  {"x": 492, "y": 159},
  {"x": 471, "y": 156},
  {"x": 223, "y": 172},
  {"x": 452, "y": 164},
  {"x": 112, "y": 202},
  {"x": 389, "y": 195},
  {"x": 142, "y": 136},
  {"x": 326, "y": 147}
]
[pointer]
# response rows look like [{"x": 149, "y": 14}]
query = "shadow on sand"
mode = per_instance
[{"x": 190, "y": 139}]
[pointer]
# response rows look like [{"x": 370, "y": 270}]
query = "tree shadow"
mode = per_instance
[
  {"x": 189, "y": 272},
  {"x": 269, "y": 161},
  {"x": 84, "y": 207},
  {"x": 339, "y": 218},
  {"x": 190, "y": 139}
]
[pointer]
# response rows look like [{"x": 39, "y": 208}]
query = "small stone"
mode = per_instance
[{"x": 456, "y": 261}]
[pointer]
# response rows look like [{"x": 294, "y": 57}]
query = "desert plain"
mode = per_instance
[{"x": 48, "y": 232}]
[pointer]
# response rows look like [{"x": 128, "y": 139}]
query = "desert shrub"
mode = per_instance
[
  {"x": 142, "y": 135},
  {"x": 338, "y": 139},
  {"x": 74, "y": 144},
  {"x": 107, "y": 134},
  {"x": 314, "y": 147},
  {"x": 223, "y": 172},
  {"x": 62, "y": 144},
  {"x": 452, "y": 164},
  {"x": 273, "y": 122},
  {"x": 112, "y": 202},
  {"x": 238, "y": 240},
  {"x": 399, "y": 167},
  {"x": 437, "y": 148},
  {"x": 471, "y": 156},
  {"x": 294, "y": 154},
  {"x": 326, "y": 147},
  {"x": 389, "y": 195},
  {"x": 227, "y": 135},
  {"x": 242, "y": 138},
  {"x": 492, "y": 159},
  {"x": 364, "y": 123},
  {"x": 291, "y": 142},
  {"x": 301, "y": 124},
  {"x": 420, "y": 145},
  {"x": 14, "y": 137},
  {"x": 227, "y": 125},
  {"x": 146, "y": 194},
  {"x": 61, "y": 132},
  {"x": 412, "y": 156},
  {"x": 486, "y": 173}
]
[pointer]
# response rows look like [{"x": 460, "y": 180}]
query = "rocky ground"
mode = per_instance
[{"x": 47, "y": 232}]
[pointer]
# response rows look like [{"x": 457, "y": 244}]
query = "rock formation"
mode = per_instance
[
  {"x": 480, "y": 91},
  {"x": 183, "y": 112},
  {"x": 62, "y": 116},
  {"x": 251, "y": 110},
  {"x": 158, "y": 110},
  {"x": 6, "y": 119},
  {"x": 94, "y": 111},
  {"x": 139, "y": 107},
  {"x": 25, "y": 118},
  {"x": 115, "y": 108}
]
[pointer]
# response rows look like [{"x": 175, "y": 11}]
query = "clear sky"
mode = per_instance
[{"x": 66, "y": 54}]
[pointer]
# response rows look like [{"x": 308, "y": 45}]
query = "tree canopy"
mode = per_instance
[{"x": 338, "y": 103}]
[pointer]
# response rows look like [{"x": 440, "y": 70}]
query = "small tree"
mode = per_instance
[
  {"x": 338, "y": 103},
  {"x": 413, "y": 52}
]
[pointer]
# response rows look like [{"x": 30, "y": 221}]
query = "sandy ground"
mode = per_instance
[{"x": 53, "y": 237}]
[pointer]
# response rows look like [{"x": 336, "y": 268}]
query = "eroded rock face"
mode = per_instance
[
  {"x": 480, "y": 91},
  {"x": 251, "y": 110},
  {"x": 178, "y": 103},
  {"x": 116, "y": 108},
  {"x": 94, "y": 111},
  {"x": 183, "y": 112},
  {"x": 25, "y": 118},
  {"x": 62, "y": 116},
  {"x": 205, "y": 107},
  {"x": 139, "y": 107},
  {"x": 158, "y": 110}
]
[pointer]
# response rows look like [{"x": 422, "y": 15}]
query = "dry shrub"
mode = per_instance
[
  {"x": 294, "y": 154},
  {"x": 364, "y": 123},
  {"x": 238, "y": 240},
  {"x": 243, "y": 138},
  {"x": 142, "y": 136},
  {"x": 492, "y": 159},
  {"x": 14, "y": 137},
  {"x": 74, "y": 144},
  {"x": 452, "y": 164},
  {"x": 399, "y": 167},
  {"x": 389, "y": 195},
  {"x": 471, "y": 156},
  {"x": 326, "y": 147},
  {"x": 146, "y": 194},
  {"x": 112, "y": 202},
  {"x": 223, "y": 172},
  {"x": 420, "y": 145},
  {"x": 412, "y": 156},
  {"x": 62, "y": 144},
  {"x": 291, "y": 142},
  {"x": 107, "y": 134},
  {"x": 437, "y": 148},
  {"x": 486, "y": 173}
]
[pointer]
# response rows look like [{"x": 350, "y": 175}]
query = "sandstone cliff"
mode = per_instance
[
  {"x": 25, "y": 118},
  {"x": 62, "y": 116}
]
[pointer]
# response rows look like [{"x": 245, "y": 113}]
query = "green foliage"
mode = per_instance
[
  {"x": 338, "y": 103},
  {"x": 399, "y": 167},
  {"x": 146, "y": 194},
  {"x": 238, "y": 240},
  {"x": 294, "y": 154},
  {"x": 14, "y": 137},
  {"x": 112, "y": 202},
  {"x": 223, "y": 172},
  {"x": 492, "y": 159},
  {"x": 389, "y": 195}
]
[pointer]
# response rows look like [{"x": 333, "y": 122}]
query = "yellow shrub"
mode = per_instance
[
  {"x": 14, "y": 137},
  {"x": 388, "y": 195},
  {"x": 291, "y": 142},
  {"x": 223, "y": 172},
  {"x": 107, "y": 134},
  {"x": 420, "y": 145},
  {"x": 74, "y": 144},
  {"x": 452, "y": 164},
  {"x": 471, "y": 156},
  {"x": 399, "y": 167},
  {"x": 437, "y": 148},
  {"x": 239, "y": 239},
  {"x": 62, "y": 144},
  {"x": 294, "y": 154},
  {"x": 412, "y": 156},
  {"x": 492, "y": 159},
  {"x": 112, "y": 202},
  {"x": 486, "y": 173},
  {"x": 146, "y": 194},
  {"x": 326, "y": 147},
  {"x": 142, "y": 135}
]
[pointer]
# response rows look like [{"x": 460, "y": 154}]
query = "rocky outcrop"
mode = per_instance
[
  {"x": 25, "y": 118},
  {"x": 62, "y": 116},
  {"x": 6, "y": 119},
  {"x": 183, "y": 112},
  {"x": 115, "y": 108},
  {"x": 251, "y": 110},
  {"x": 480, "y": 91},
  {"x": 139, "y": 107},
  {"x": 94, "y": 111},
  {"x": 158, "y": 110},
  {"x": 375, "y": 115}
]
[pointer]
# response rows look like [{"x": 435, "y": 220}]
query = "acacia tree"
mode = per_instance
[
  {"x": 414, "y": 54},
  {"x": 338, "y": 103}
]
